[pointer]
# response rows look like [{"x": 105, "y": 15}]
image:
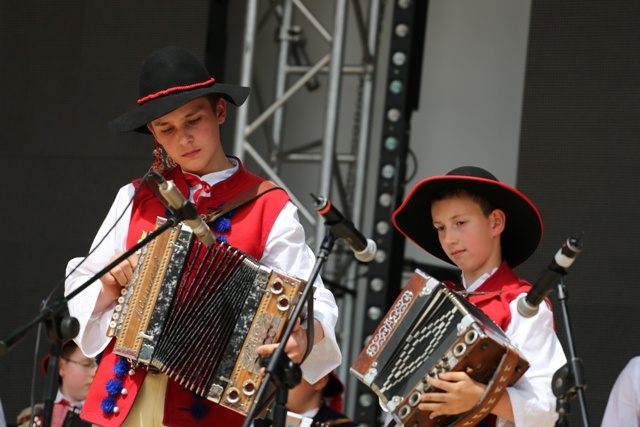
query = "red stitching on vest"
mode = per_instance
[{"x": 174, "y": 89}]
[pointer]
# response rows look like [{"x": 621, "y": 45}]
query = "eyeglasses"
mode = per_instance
[{"x": 89, "y": 366}]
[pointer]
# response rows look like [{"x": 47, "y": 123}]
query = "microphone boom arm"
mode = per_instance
[{"x": 7, "y": 344}]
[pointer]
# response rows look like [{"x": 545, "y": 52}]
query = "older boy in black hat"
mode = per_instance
[
  {"x": 182, "y": 106},
  {"x": 470, "y": 219}
]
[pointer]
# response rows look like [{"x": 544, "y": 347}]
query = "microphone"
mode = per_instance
[
  {"x": 364, "y": 249},
  {"x": 557, "y": 269},
  {"x": 177, "y": 203}
]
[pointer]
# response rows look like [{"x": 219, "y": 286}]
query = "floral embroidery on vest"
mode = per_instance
[{"x": 199, "y": 408}]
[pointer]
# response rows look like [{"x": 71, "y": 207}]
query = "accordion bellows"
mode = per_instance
[
  {"x": 198, "y": 314},
  {"x": 431, "y": 329}
]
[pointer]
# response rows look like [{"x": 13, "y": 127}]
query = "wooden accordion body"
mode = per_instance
[
  {"x": 431, "y": 329},
  {"x": 198, "y": 315}
]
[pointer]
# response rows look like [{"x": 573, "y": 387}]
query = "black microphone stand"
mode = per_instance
[
  {"x": 569, "y": 379},
  {"x": 60, "y": 328},
  {"x": 280, "y": 369}
]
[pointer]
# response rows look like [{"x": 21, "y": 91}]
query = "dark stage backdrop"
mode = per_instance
[
  {"x": 580, "y": 163},
  {"x": 66, "y": 69}
]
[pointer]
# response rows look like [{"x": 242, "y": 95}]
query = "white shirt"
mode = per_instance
[
  {"x": 285, "y": 251},
  {"x": 60, "y": 397},
  {"x": 623, "y": 407},
  {"x": 532, "y": 398}
]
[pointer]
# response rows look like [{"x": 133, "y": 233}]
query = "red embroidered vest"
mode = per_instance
[{"x": 247, "y": 229}]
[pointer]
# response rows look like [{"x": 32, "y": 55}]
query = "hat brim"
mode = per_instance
[
  {"x": 523, "y": 229},
  {"x": 137, "y": 119}
]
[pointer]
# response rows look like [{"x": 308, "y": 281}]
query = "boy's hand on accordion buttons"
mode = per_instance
[
  {"x": 119, "y": 276},
  {"x": 459, "y": 394},
  {"x": 295, "y": 346}
]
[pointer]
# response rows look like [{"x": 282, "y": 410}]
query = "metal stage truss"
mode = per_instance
[
  {"x": 340, "y": 162},
  {"x": 321, "y": 68}
]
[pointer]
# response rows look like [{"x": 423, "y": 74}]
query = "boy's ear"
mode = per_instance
[
  {"x": 221, "y": 110},
  {"x": 498, "y": 221}
]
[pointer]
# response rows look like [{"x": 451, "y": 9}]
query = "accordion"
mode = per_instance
[
  {"x": 430, "y": 329},
  {"x": 198, "y": 314}
]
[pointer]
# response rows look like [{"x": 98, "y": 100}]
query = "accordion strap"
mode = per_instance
[
  {"x": 248, "y": 195},
  {"x": 496, "y": 387}
]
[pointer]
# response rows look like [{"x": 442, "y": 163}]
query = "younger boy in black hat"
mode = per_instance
[
  {"x": 484, "y": 227},
  {"x": 183, "y": 107}
]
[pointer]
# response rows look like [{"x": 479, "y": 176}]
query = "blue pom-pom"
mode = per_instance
[
  {"x": 114, "y": 387},
  {"x": 222, "y": 225},
  {"x": 107, "y": 405},
  {"x": 121, "y": 367},
  {"x": 221, "y": 238},
  {"x": 199, "y": 409}
]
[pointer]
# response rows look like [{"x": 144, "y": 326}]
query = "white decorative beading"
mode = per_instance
[{"x": 389, "y": 324}]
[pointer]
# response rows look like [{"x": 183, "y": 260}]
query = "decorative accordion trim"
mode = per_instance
[{"x": 387, "y": 327}]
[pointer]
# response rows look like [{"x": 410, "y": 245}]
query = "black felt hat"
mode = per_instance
[
  {"x": 170, "y": 78},
  {"x": 523, "y": 229}
]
